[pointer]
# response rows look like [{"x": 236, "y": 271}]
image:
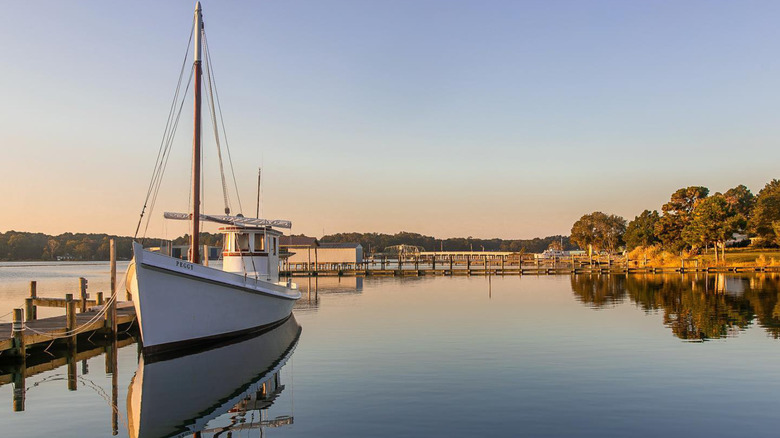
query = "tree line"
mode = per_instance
[
  {"x": 692, "y": 220},
  {"x": 377, "y": 242},
  {"x": 18, "y": 245}
]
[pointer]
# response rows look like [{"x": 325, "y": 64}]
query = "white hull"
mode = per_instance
[
  {"x": 177, "y": 302},
  {"x": 178, "y": 397}
]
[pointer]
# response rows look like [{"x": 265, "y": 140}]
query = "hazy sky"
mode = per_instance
[{"x": 450, "y": 118}]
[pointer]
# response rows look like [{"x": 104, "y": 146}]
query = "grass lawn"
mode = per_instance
[{"x": 744, "y": 255}]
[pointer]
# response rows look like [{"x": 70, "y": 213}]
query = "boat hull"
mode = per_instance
[{"x": 180, "y": 304}]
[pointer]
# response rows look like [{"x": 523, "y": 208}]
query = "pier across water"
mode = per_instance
[{"x": 501, "y": 263}]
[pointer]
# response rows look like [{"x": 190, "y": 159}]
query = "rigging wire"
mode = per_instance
[
  {"x": 160, "y": 151},
  {"x": 212, "y": 113},
  {"x": 222, "y": 122},
  {"x": 169, "y": 143}
]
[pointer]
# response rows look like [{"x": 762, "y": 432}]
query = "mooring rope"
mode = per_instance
[{"x": 3, "y": 316}]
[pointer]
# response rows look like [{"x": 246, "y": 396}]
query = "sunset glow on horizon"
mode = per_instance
[{"x": 446, "y": 118}]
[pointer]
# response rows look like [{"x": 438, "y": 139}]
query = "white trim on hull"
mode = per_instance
[{"x": 178, "y": 302}]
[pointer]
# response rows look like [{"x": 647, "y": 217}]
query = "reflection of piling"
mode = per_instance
[
  {"x": 72, "y": 371},
  {"x": 20, "y": 389},
  {"x": 111, "y": 368}
]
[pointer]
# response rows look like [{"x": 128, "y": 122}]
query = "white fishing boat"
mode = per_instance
[{"x": 179, "y": 302}]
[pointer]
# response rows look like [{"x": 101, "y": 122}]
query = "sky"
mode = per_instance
[{"x": 450, "y": 118}]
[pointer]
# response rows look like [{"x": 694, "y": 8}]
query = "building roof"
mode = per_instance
[
  {"x": 340, "y": 245},
  {"x": 298, "y": 241}
]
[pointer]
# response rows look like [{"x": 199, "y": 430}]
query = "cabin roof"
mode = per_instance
[
  {"x": 300, "y": 241},
  {"x": 240, "y": 229},
  {"x": 340, "y": 245}
]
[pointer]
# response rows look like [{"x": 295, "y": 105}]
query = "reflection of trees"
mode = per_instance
[
  {"x": 694, "y": 307},
  {"x": 599, "y": 290},
  {"x": 764, "y": 298}
]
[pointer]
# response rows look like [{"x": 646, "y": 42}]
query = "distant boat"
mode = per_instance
[
  {"x": 178, "y": 302},
  {"x": 176, "y": 397}
]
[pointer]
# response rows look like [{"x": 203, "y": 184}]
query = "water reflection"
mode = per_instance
[
  {"x": 312, "y": 287},
  {"x": 695, "y": 307},
  {"x": 180, "y": 396}
]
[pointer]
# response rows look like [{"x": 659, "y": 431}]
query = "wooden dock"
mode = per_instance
[
  {"x": 104, "y": 318},
  {"x": 500, "y": 264},
  {"x": 42, "y": 332}
]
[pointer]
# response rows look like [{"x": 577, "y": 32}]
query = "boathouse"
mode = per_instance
[{"x": 310, "y": 251}]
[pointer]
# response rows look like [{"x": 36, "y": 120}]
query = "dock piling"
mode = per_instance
[
  {"x": 70, "y": 314},
  {"x": 110, "y": 321},
  {"x": 33, "y": 294},
  {"x": 17, "y": 328},
  {"x": 83, "y": 292},
  {"x": 29, "y": 309}
]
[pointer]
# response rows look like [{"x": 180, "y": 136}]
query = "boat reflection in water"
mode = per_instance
[{"x": 171, "y": 397}]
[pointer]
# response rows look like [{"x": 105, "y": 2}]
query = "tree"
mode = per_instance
[
  {"x": 641, "y": 230},
  {"x": 741, "y": 200},
  {"x": 766, "y": 211},
  {"x": 676, "y": 215},
  {"x": 599, "y": 231},
  {"x": 714, "y": 221}
]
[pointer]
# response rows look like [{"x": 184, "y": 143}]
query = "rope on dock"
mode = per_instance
[{"x": 3, "y": 316}]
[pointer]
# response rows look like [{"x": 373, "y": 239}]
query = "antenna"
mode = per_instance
[{"x": 259, "y": 185}]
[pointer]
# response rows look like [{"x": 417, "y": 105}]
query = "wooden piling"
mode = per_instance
[
  {"x": 83, "y": 292},
  {"x": 70, "y": 313},
  {"x": 17, "y": 328},
  {"x": 110, "y": 321},
  {"x": 32, "y": 315},
  {"x": 29, "y": 309},
  {"x": 99, "y": 301},
  {"x": 205, "y": 255}
]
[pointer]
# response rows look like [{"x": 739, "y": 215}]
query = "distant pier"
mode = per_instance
[{"x": 502, "y": 263}]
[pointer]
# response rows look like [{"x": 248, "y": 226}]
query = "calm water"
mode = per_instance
[{"x": 464, "y": 356}]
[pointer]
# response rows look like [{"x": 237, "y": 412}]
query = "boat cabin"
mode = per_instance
[{"x": 253, "y": 251}]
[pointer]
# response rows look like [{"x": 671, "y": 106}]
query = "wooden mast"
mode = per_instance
[{"x": 195, "y": 238}]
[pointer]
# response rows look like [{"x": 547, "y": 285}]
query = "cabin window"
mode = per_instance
[
  {"x": 274, "y": 245},
  {"x": 243, "y": 242},
  {"x": 228, "y": 242},
  {"x": 259, "y": 242}
]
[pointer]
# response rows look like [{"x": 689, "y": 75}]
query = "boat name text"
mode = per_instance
[{"x": 184, "y": 265}]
